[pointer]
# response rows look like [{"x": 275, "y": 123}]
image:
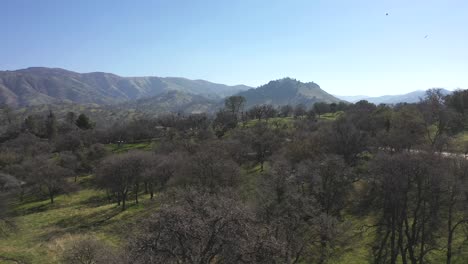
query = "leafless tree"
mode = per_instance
[
  {"x": 197, "y": 227},
  {"x": 89, "y": 250}
]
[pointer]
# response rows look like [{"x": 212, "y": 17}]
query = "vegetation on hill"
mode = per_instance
[
  {"x": 37, "y": 86},
  {"x": 287, "y": 91}
]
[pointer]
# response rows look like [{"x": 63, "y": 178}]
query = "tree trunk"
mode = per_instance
[
  {"x": 136, "y": 192},
  {"x": 450, "y": 232}
]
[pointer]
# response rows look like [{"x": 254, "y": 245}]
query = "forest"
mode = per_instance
[{"x": 333, "y": 183}]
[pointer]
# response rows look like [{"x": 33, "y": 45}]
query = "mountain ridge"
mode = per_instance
[{"x": 42, "y": 85}]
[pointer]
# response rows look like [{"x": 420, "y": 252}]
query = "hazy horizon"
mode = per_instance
[{"x": 347, "y": 48}]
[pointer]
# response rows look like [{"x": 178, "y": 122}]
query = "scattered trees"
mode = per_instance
[{"x": 382, "y": 164}]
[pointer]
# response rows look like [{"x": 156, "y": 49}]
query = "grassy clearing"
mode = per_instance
[
  {"x": 459, "y": 143},
  {"x": 42, "y": 228},
  {"x": 116, "y": 148},
  {"x": 330, "y": 116},
  {"x": 276, "y": 122},
  {"x": 288, "y": 122}
]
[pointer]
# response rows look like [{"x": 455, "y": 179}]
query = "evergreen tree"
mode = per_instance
[{"x": 83, "y": 122}]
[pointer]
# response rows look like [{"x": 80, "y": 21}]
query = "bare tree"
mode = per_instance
[
  {"x": 52, "y": 178},
  {"x": 122, "y": 173},
  {"x": 262, "y": 140},
  {"x": 210, "y": 168},
  {"x": 455, "y": 186},
  {"x": 89, "y": 250},
  {"x": 406, "y": 190},
  {"x": 196, "y": 227}
]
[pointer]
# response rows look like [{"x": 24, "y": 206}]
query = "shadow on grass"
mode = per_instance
[
  {"x": 95, "y": 201},
  {"x": 80, "y": 223},
  {"x": 31, "y": 210}
]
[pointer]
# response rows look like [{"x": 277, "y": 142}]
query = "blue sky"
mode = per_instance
[{"x": 347, "y": 47}]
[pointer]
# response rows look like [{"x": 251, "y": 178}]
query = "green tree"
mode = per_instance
[
  {"x": 83, "y": 122},
  {"x": 51, "y": 125}
]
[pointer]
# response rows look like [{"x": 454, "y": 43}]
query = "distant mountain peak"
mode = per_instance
[{"x": 287, "y": 91}]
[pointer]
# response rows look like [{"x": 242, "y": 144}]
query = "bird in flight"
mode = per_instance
[
  {"x": 426, "y": 36},
  {"x": 386, "y": 14}
]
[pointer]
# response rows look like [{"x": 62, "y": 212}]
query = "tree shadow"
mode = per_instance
[
  {"x": 95, "y": 201},
  {"x": 77, "y": 224}
]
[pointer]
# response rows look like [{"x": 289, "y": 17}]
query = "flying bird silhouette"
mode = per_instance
[
  {"x": 386, "y": 14},
  {"x": 426, "y": 36}
]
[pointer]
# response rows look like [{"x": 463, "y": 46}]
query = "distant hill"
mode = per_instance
[
  {"x": 287, "y": 91},
  {"x": 352, "y": 98},
  {"x": 412, "y": 97},
  {"x": 38, "y": 85},
  {"x": 170, "y": 102}
]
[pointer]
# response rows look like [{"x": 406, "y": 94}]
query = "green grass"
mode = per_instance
[
  {"x": 459, "y": 143},
  {"x": 273, "y": 122},
  {"x": 42, "y": 228},
  {"x": 115, "y": 148},
  {"x": 331, "y": 116}
]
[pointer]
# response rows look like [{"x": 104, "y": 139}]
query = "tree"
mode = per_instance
[
  {"x": 7, "y": 112},
  {"x": 34, "y": 124},
  {"x": 224, "y": 122},
  {"x": 159, "y": 171},
  {"x": 405, "y": 189},
  {"x": 256, "y": 112},
  {"x": 52, "y": 178},
  {"x": 262, "y": 140},
  {"x": 83, "y": 122},
  {"x": 311, "y": 114},
  {"x": 438, "y": 120},
  {"x": 343, "y": 138},
  {"x": 196, "y": 227},
  {"x": 69, "y": 161},
  {"x": 455, "y": 186},
  {"x": 330, "y": 182},
  {"x": 404, "y": 131},
  {"x": 235, "y": 104},
  {"x": 51, "y": 125},
  {"x": 286, "y": 111},
  {"x": 89, "y": 250},
  {"x": 321, "y": 108},
  {"x": 122, "y": 173},
  {"x": 269, "y": 111},
  {"x": 210, "y": 168},
  {"x": 293, "y": 218},
  {"x": 299, "y": 110},
  {"x": 71, "y": 118}
]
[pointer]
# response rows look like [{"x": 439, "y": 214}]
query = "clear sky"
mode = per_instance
[{"x": 348, "y": 47}]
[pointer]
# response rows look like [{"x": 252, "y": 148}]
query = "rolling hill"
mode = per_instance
[
  {"x": 38, "y": 85},
  {"x": 170, "y": 102},
  {"x": 287, "y": 91}
]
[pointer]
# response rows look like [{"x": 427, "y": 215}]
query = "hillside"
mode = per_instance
[
  {"x": 171, "y": 101},
  {"x": 35, "y": 86},
  {"x": 287, "y": 91}
]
